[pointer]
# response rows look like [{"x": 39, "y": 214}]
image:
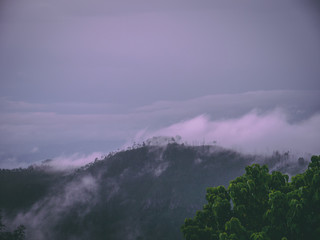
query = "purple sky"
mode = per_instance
[{"x": 90, "y": 76}]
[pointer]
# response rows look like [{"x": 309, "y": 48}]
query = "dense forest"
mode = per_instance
[{"x": 142, "y": 193}]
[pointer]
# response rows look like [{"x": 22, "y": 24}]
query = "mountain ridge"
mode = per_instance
[{"x": 140, "y": 193}]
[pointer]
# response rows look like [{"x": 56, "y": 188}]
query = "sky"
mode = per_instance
[{"x": 81, "y": 78}]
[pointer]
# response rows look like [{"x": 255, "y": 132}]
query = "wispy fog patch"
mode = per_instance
[
  {"x": 198, "y": 161},
  {"x": 34, "y": 150},
  {"x": 161, "y": 168},
  {"x": 10, "y": 162},
  {"x": 253, "y": 132},
  {"x": 40, "y": 220},
  {"x": 73, "y": 161}
]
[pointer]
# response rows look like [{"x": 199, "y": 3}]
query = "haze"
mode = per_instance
[{"x": 81, "y": 77}]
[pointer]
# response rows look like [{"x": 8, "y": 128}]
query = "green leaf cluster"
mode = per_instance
[{"x": 261, "y": 206}]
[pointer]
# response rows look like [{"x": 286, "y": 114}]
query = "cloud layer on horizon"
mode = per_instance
[
  {"x": 251, "y": 133},
  {"x": 247, "y": 121},
  {"x": 83, "y": 77},
  {"x": 22, "y": 122}
]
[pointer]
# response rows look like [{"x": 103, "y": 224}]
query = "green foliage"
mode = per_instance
[{"x": 264, "y": 206}]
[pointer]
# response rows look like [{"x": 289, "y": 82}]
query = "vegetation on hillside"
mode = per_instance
[
  {"x": 5, "y": 234},
  {"x": 260, "y": 206},
  {"x": 141, "y": 193}
]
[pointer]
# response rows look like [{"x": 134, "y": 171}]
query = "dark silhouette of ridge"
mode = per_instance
[{"x": 142, "y": 193}]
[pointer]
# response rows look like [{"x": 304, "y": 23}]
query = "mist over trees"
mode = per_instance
[
  {"x": 5, "y": 234},
  {"x": 260, "y": 206},
  {"x": 141, "y": 193}
]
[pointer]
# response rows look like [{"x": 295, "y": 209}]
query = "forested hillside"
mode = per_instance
[{"x": 142, "y": 193}]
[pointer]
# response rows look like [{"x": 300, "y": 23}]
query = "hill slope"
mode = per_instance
[{"x": 143, "y": 193}]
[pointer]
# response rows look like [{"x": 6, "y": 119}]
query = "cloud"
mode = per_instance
[
  {"x": 34, "y": 150},
  {"x": 75, "y": 160},
  {"x": 59, "y": 128},
  {"x": 10, "y": 162},
  {"x": 80, "y": 195},
  {"x": 81, "y": 51},
  {"x": 253, "y": 132},
  {"x": 25, "y": 122}
]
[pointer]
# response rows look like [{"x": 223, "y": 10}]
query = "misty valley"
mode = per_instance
[
  {"x": 145, "y": 192},
  {"x": 213, "y": 107}
]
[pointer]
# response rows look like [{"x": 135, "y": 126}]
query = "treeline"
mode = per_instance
[
  {"x": 261, "y": 206},
  {"x": 150, "y": 190}
]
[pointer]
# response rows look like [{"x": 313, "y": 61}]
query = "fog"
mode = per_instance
[
  {"x": 79, "y": 195},
  {"x": 252, "y": 133},
  {"x": 84, "y": 77},
  {"x": 259, "y": 121}
]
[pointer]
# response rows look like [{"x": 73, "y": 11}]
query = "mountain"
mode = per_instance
[{"x": 142, "y": 193}]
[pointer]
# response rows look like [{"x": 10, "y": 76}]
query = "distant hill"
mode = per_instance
[{"x": 142, "y": 193}]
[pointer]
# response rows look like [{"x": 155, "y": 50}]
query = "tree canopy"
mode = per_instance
[{"x": 259, "y": 206}]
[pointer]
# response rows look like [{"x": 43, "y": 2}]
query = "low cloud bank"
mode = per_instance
[
  {"x": 252, "y": 133},
  {"x": 73, "y": 161},
  {"x": 34, "y": 132}
]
